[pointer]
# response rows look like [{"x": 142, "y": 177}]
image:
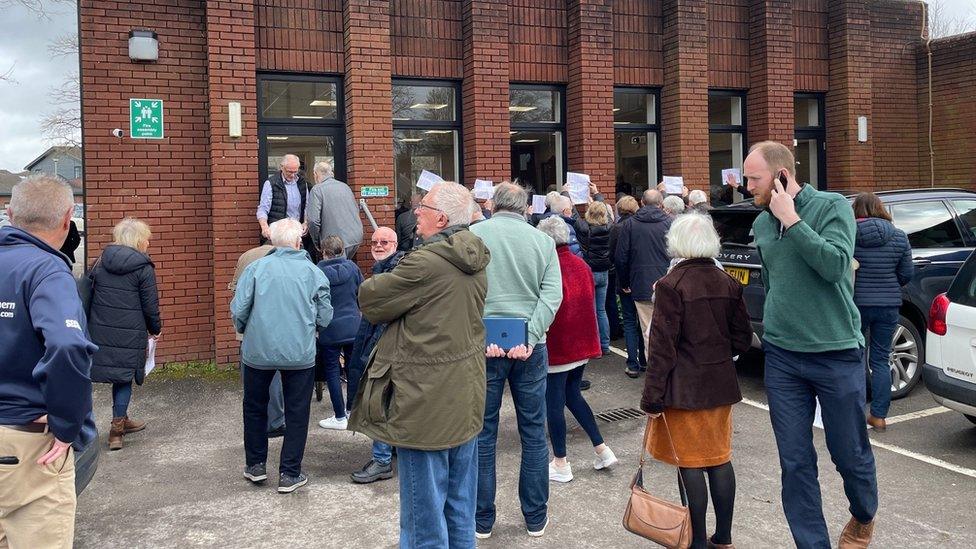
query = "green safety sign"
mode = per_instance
[
  {"x": 146, "y": 118},
  {"x": 378, "y": 191}
]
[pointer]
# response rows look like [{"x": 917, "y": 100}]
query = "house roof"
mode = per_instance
[
  {"x": 72, "y": 151},
  {"x": 8, "y": 180}
]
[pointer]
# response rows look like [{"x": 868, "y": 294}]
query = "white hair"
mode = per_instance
[
  {"x": 551, "y": 197},
  {"x": 693, "y": 236},
  {"x": 563, "y": 203},
  {"x": 454, "y": 200},
  {"x": 323, "y": 169},
  {"x": 556, "y": 229},
  {"x": 509, "y": 198},
  {"x": 696, "y": 197},
  {"x": 40, "y": 203},
  {"x": 674, "y": 204},
  {"x": 287, "y": 157},
  {"x": 286, "y": 233}
]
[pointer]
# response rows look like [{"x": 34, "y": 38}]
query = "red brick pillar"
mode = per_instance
[
  {"x": 233, "y": 170},
  {"x": 484, "y": 91},
  {"x": 589, "y": 93},
  {"x": 849, "y": 163},
  {"x": 769, "y": 107},
  {"x": 369, "y": 107},
  {"x": 684, "y": 97}
]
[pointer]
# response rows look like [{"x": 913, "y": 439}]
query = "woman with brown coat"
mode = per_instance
[{"x": 700, "y": 322}]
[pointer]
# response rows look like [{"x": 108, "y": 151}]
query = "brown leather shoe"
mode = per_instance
[
  {"x": 116, "y": 434},
  {"x": 877, "y": 423},
  {"x": 133, "y": 425},
  {"x": 856, "y": 535},
  {"x": 713, "y": 545}
]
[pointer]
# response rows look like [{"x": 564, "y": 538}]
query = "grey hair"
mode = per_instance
[
  {"x": 551, "y": 197},
  {"x": 693, "y": 236},
  {"x": 454, "y": 200},
  {"x": 697, "y": 196},
  {"x": 563, "y": 203},
  {"x": 674, "y": 204},
  {"x": 652, "y": 197},
  {"x": 510, "y": 198},
  {"x": 40, "y": 202},
  {"x": 288, "y": 157},
  {"x": 324, "y": 169},
  {"x": 556, "y": 229},
  {"x": 286, "y": 233}
]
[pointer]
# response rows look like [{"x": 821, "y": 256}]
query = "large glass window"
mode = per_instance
[
  {"x": 636, "y": 136},
  {"x": 426, "y": 128},
  {"x": 298, "y": 100},
  {"x": 537, "y": 137},
  {"x": 809, "y": 142},
  {"x": 726, "y": 142}
]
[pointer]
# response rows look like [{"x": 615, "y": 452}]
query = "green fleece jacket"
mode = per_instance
[
  {"x": 523, "y": 277},
  {"x": 808, "y": 276}
]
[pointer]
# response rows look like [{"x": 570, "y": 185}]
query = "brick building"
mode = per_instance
[{"x": 623, "y": 90}]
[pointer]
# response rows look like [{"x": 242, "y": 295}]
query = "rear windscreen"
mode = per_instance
[
  {"x": 734, "y": 225},
  {"x": 963, "y": 288}
]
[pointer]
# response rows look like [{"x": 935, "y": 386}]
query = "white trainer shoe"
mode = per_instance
[
  {"x": 604, "y": 460},
  {"x": 334, "y": 423},
  {"x": 560, "y": 474}
]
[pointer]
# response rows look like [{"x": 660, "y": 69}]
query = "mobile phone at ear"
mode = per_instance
[{"x": 783, "y": 180}]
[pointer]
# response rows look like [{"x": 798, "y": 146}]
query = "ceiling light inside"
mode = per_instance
[
  {"x": 277, "y": 138},
  {"x": 306, "y": 117},
  {"x": 438, "y": 131},
  {"x": 410, "y": 140},
  {"x": 323, "y": 103},
  {"x": 617, "y": 109},
  {"x": 430, "y": 106},
  {"x": 520, "y": 108},
  {"x": 527, "y": 141}
]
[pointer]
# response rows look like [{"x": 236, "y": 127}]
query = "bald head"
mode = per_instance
[
  {"x": 652, "y": 197},
  {"x": 384, "y": 243}
]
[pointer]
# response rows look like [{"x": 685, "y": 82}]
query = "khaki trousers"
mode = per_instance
[
  {"x": 37, "y": 502},
  {"x": 645, "y": 310}
]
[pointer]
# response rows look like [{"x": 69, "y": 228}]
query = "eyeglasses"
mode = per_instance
[
  {"x": 382, "y": 242},
  {"x": 422, "y": 205}
]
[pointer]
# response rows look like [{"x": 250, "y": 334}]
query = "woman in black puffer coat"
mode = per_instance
[
  {"x": 885, "y": 259},
  {"x": 593, "y": 233},
  {"x": 124, "y": 311}
]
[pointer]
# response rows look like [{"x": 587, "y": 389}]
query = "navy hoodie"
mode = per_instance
[
  {"x": 641, "y": 257},
  {"x": 885, "y": 259},
  {"x": 45, "y": 353},
  {"x": 344, "y": 280}
]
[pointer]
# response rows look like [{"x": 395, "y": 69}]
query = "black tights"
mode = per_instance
[{"x": 721, "y": 481}]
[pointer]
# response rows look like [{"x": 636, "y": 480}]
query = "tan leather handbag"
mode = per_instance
[{"x": 661, "y": 521}]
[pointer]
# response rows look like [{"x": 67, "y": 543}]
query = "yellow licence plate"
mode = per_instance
[{"x": 742, "y": 275}]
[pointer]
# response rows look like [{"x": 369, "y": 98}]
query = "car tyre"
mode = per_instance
[{"x": 908, "y": 348}]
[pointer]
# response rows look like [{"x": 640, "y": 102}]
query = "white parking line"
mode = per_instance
[
  {"x": 618, "y": 352},
  {"x": 917, "y": 415}
]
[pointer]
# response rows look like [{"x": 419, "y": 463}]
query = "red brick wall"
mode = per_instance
[
  {"x": 637, "y": 56},
  {"x": 728, "y": 44},
  {"x": 812, "y": 58},
  {"x": 425, "y": 38},
  {"x": 298, "y": 35},
  {"x": 165, "y": 182},
  {"x": 769, "y": 106},
  {"x": 537, "y": 40},
  {"x": 953, "y": 112}
]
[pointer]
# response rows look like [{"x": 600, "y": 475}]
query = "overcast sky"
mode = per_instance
[{"x": 23, "y": 46}]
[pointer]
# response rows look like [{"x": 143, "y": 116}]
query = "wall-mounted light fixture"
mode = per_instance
[
  {"x": 234, "y": 119},
  {"x": 143, "y": 45},
  {"x": 862, "y": 129}
]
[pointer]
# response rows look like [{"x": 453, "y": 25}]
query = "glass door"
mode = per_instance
[{"x": 310, "y": 144}]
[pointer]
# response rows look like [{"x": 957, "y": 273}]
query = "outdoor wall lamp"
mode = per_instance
[
  {"x": 862, "y": 129},
  {"x": 234, "y": 119},
  {"x": 143, "y": 45}
]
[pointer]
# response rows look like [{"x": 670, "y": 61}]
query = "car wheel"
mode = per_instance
[
  {"x": 907, "y": 356},
  {"x": 970, "y": 418}
]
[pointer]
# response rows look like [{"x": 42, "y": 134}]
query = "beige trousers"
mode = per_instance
[
  {"x": 37, "y": 502},
  {"x": 645, "y": 310}
]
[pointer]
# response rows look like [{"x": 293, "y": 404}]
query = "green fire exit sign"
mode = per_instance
[{"x": 146, "y": 118}]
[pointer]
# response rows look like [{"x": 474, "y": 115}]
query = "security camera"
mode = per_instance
[{"x": 117, "y": 132}]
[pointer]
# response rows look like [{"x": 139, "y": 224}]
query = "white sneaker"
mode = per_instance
[
  {"x": 560, "y": 474},
  {"x": 539, "y": 533},
  {"x": 334, "y": 423},
  {"x": 604, "y": 460},
  {"x": 479, "y": 535}
]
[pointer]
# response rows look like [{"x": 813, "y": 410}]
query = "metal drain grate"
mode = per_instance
[{"x": 620, "y": 414}]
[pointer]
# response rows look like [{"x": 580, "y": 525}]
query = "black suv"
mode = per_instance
[{"x": 941, "y": 227}]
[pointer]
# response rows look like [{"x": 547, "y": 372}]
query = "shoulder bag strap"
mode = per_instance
[{"x": 674, "y": 452}]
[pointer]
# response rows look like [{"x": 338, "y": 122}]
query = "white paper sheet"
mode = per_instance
[
  {"x": 483, "y": 189},
  {"x": 428, "y": 180},
  {"x": 577, "y": 181},
  {"x": 538, "y": 203},
  {"x": 736, "y": 174},
  {"x": 673, "y": 184},
  {"x": 150, "y": 355}
]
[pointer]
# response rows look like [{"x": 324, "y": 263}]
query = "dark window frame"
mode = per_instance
[
  {"x": 456, "y": 125},
  {"x": 819, "y": 133},
  {"x": 731, "y": 128},
  {"x": 339, "y": 120},
  {"x": 542, "y": 127},
  {"x": 646, "y": 128}
]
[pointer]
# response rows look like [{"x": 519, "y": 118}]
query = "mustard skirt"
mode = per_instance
[{"x": 702, "y": 438}]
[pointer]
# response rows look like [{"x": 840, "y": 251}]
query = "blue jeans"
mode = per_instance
[
  {"x": 276, "y": 402},
  {"x": 563, "y": 391},
  {"x": 636, "y": 360},
  {"x": 438, "y": 490},
  {"x": 382, "y": 452},
  {"x": 879, "y": 324},
  {"x": 121, "y": 395},
  {"x": 600, "y": 281},
  {"x": 836, "y": 378},
  {"x": 329, "y": 354},
  {"x": 297, "y": 388},
  {"x": 610, "y": 305},
  {"x": 527, "y": 381}
]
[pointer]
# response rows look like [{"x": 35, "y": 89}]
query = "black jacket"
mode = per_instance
[
  {"x": 72, "y": 242},
  {"x": 124, "y": 311},
  {"x": 594, "y": 242},
  {"x": 641, "y": 257},
  {"x": 885, "y": 258}
]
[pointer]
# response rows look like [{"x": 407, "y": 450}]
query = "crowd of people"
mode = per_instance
[{"x": 410, "y": 342}]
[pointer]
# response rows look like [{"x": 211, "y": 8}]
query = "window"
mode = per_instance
[
  {"x": 300, "y": 115},
  {"x": 726, "y": 138},
  {"x": 77, "y": 172},
  {"x": 637, "y": 133},
  {"x": 809, "y": 142},
  {"x": 537, "y": 136},
  {"x": 426, "y": 128},
  {"x": 966, "y": 209},
  {"x": 927, "y": 224}
]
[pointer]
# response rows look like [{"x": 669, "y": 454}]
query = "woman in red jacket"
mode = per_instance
[
  {"x": 572, "y": 340},
  {"x": 700, "y": 322}
]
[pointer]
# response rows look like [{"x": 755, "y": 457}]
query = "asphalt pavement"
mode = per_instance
[{"x": 179, "y": 483}]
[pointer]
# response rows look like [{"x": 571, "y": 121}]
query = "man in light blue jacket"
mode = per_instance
[{"x": 280, "y": 300}]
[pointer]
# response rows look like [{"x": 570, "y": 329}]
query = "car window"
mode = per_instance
[
  {"x": 927, "y": 224},
  {"x": 967, "y": 213},
  {"x": 963, "y": 288},
  {"x": 734, "y": 226}
]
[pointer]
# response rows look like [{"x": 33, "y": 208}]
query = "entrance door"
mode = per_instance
[{"x": 310, "y": 144}]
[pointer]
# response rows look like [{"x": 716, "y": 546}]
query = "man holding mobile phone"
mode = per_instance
[{"x": 806, "y": 241}]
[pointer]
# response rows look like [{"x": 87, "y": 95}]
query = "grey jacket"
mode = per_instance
[{"x": 332, "y": 210}]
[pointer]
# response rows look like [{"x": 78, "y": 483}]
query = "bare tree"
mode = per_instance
[
  {"x": 39, "y": 7},
  {"x": 942, "y": 23},
  {"x": 8, "y": 75},
  {"x": 62, "y": 126}
]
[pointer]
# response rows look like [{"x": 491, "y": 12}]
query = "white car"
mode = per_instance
[{"x": 950, "y": 368}]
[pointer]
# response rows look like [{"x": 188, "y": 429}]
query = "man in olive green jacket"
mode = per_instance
[{"x": 424, "y": 387}]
